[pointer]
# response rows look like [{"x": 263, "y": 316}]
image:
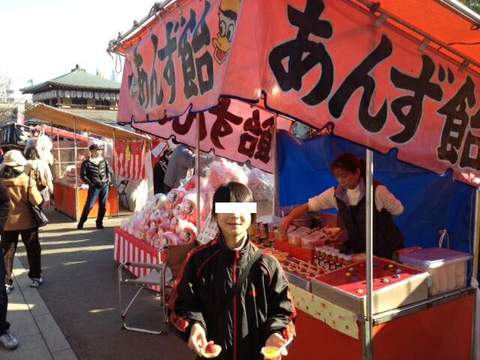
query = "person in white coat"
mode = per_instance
[{"x": 44, "y": 176}]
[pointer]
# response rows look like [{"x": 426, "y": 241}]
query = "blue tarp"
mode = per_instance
[{"x": 432, "y": 202}]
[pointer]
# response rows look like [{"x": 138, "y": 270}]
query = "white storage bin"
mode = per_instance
[{"x": 447, "y": 268}]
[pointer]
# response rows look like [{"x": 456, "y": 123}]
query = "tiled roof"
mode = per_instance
[{"x": 77, "y": 79}]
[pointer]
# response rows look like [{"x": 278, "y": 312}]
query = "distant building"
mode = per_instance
[{"x": 79, "y": 93}]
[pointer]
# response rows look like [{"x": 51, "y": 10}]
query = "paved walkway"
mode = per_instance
[{"x": 39, "y": 335}]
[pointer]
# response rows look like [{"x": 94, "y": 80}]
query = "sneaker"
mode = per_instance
[
  {"x": 9, "y": 288},
  {"x": 100, "y": 226},
  {"x": 9, "y": 341},
  {"x": 36, "y": 282}
]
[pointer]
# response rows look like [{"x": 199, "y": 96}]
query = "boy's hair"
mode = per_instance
[{"x": 233, "y": 192}]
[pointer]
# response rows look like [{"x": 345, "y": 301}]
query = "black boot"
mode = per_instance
[
  {"x": 101, "y": 214},
  {"x": 81, "y": 222}
]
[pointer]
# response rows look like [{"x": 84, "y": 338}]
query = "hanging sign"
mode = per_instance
[{"x": 233, "y": 129}]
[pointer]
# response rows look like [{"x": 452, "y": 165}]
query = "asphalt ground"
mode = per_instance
[{"x": 81, "y": 293}]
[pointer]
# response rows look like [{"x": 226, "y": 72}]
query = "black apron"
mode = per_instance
[{"x": 387, "y": 238}]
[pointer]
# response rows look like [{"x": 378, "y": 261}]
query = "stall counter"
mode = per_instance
[
  {"x": 435, "y": 329},
  {"x": 66, "y": 201}
]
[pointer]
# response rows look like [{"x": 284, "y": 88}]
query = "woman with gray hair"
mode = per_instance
[{"x": 22, "y": 191}]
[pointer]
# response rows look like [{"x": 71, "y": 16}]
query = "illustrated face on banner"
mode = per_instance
[{"x": 228, "y": 14}]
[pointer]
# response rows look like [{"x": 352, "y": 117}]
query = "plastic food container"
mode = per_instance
[
  {"x": 447, "y": 268},
  {"x": 294, "y": 237}
]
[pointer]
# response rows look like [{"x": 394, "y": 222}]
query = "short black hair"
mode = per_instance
[
  {"x": 350, "y": 163},
  {"x": 94, "y": 147},
  {"x": 233, "y": 192},
  {"x": 31, "y": 153}
]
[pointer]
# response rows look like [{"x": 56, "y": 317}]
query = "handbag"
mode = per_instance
[{"x": 39, "y": 217}]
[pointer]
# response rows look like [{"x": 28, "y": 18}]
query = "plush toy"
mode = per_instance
[
  {"x": 186, "y": 231},
  {"x": 174, "y": 197},
  {"x": 170, "y": 238},
  {"x": 187, "y": 210}
]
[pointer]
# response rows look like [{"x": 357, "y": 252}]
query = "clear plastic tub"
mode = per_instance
[{"x": 447, "y": 268}]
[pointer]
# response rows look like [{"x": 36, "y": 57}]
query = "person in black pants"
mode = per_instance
[
  {"x": 7, "y": 339},
  {"x": 95, "y": 172},
  {"x": 159, "y": 173}
]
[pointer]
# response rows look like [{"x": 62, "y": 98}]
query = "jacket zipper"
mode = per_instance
[{"x": 234, "y": 277}]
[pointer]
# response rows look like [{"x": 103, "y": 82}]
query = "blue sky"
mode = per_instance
[{"x": 42, "y": 39}]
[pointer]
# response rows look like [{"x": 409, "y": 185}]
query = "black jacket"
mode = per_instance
[
  {"x": 4, "y": 206},
  {"x": 95, "y": 175},
  {"x": 240, "y": 323}
]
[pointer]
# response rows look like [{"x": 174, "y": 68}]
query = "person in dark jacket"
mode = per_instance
[
  {"x": 7, "y": 338},
  {"x": 95, "y": 172},
  {"x": 159, "y": 172},
  {"x": 349, "y": 198},
  {"x": 212, "y": 302}
]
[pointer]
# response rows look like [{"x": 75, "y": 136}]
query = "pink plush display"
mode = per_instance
[
  {"x": 191, "y": 185},
  {"x": 223, "y": 171},
  {"x": 170, "y": 238},
  {"x": 187, "y": 210},
  {"x": 174, "y": 198},
  {"x": 186, "y": 231}
]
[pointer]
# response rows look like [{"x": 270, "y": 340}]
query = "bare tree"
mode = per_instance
[
  {"x": 8, "y": 107},
  {"x": 472, "y": 4}
]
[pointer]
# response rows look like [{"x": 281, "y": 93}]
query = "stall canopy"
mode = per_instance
[
  {"x": 57, "y": 117},
  {"x": 385, "y": 74}
]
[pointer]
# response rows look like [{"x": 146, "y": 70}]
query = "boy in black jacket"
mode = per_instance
[{"x": 215, "y": 301}]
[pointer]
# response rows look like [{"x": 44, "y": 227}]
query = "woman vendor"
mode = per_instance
[{"x": 349, "y": 198}]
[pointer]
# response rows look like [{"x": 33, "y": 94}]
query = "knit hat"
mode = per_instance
[{"x": 14, "y": 158}]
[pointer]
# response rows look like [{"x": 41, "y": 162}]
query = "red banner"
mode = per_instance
[
  {"x": 233, "y": 129},
  {"x": 318, "y": 61},
  {"x": 129, "y": 159}
]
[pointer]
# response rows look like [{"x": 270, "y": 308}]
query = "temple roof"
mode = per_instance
[{"x": 76, "y": 79}]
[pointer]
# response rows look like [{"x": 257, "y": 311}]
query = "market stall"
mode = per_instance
[
  {"x": 13, "y": 136},
  {"x": 72, "y": 134},
  {"x": 426, "y": 110}
]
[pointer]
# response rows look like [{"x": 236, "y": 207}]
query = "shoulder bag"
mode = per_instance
[{"x": 38, "y": 216}]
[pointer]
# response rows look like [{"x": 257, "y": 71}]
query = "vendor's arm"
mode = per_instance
[
  {"x": 186, "y": 305},
  {"x": 281, "y": 311},
  {"x": 325, "y": 200},
  {"x": 384, "y": 199},
  {"x": 296, "y": 213}
]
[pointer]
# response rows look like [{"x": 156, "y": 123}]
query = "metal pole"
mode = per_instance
[
  {"x": 274, "y": 152},
  {"x": 59, "y": 162},
  {"x": 115, "y": 178},
  {"x": 197, "y": 174},
  {"x": 474, "y": 280},
  {"x": 476, "y": 235},
  {"x": 368, "y": 343},
  {"x": 75, "y": 154}
]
